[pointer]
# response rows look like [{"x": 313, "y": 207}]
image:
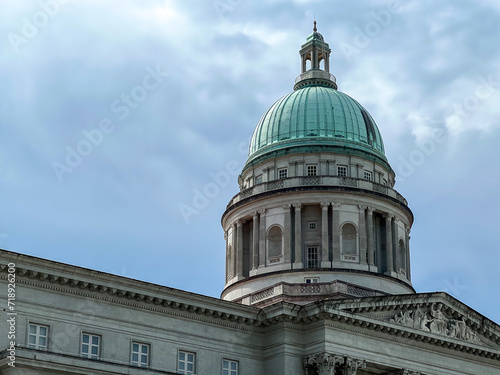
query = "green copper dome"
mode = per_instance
[{"x": 316, "y": 118}]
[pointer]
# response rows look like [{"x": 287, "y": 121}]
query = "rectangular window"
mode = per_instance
[
  {"x": 229, "y": 367},
  {"x": 312, "y": 257},
  {"x": 186, "y": 363},
  {"x": 342, "y": 171},
  {"x": 282, "y": 173},
  {"x": 311, "y": 170},
  {"x": 90, "y": 346},
  {"x": 37, "y": 336},
  {"x": 140, "y": 354},
  {"x": 258, "y": 180},
  {"x": 312, "y": 225},
  {"x": 368, "y": 175},
  {"x": 311, "y": 280}
]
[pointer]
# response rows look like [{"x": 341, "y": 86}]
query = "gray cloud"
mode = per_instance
[{"x": 118, "y": 208}]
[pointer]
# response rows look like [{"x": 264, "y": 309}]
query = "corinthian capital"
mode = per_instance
[
  {"x": 321, "y": 363},
  {"x": 352, "y": 365}
]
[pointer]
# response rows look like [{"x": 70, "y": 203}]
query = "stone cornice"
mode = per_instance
[
  {"x": 342, "y": 313},
  {"x": 318, "y": 312},
  {"x": 64, "y": 278},
  {"x": 345, "y": 313},
  {"x": 316, "y": 188}
]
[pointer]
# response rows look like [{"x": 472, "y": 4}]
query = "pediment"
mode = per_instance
[{"x": 435, "y": 315}]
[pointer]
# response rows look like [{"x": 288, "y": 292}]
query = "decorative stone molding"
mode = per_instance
[
  {"x": 322, "y": 364},
  {"x": 379, "y": 188},
  {"x": 275, "y": 184},
  {"x": 297, "y": 206},
  {"x": 352, "y": 365},
  {"x": 336, "y": 206},
  {"x": 434, "y": 320},
  {"x": 348, "y": 181},
  {"x": 262, "y": 212},
  {"x": 118, "y": 295},
  {"x": 403, "y": 372},
  {"x": 310, "y": 180},
  {"x": 332, "y": 364},
  {"x": 408, "y": 372},
  {"x": 325, "y": 205},
  {"x": 287, "y": 207}
]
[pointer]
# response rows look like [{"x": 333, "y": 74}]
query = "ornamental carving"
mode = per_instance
[
  {"x": 332, "y": 364},
  {"x": 433, "y": 320},
  {"x": 403, "y": 372}
]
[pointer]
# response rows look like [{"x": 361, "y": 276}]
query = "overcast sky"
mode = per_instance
[{"x": 115, "y": 115}]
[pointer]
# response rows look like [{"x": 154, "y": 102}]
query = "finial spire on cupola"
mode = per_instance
[{"x": 315, "y": 62}]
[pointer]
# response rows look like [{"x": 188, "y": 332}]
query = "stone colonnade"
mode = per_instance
[{"x": 330, "y": 249}]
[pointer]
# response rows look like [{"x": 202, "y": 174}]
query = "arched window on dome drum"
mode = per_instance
[
  {"x": 349, "y": 240},
  {"x": 402, "y": 255},
  {"x": 274, "y": 242}
]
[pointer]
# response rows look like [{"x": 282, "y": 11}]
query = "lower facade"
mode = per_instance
[{"x": 61, "y": 319}]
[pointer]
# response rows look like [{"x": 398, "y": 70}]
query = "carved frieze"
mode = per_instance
[{"x": 433, "y": 320}]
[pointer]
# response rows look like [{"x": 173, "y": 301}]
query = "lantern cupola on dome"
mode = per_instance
[{"x": 316, "y": 216}]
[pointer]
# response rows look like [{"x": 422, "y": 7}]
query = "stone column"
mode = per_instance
[
  {"x": 288, "y": 232},
  {"x": 234, "y": 251},
  {"x": 255, "y": 241},
  {"x": 395, "y": 245},
  {"x": 388, "y": 243},
  {"x": 298, "y": 236},
  {"x": 325, "y": 261},
  {"x": 262, "y": 239},
  {"x": 239, "y": 252},
  {"x": 314, "y": 59},
  {"x": 408, "y": 268},
  {"x": 336, "y": 232},
  {"x": 228, "y": 256},
  {"x": 369, "y": 237},
  {"x": 397, "y": 258},
  {"x": 362, "y": 235}
]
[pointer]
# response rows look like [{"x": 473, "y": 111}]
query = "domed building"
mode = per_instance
[
  {"x": 317, "y": 215},
  {"x": 318, "y": 277}
]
